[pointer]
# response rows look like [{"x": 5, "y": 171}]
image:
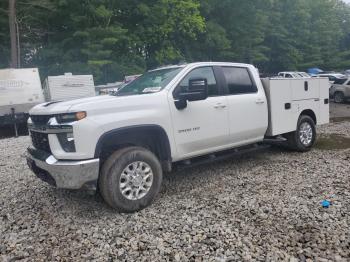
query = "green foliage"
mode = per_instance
[
  {"x": 114, "y": 38},
  {"x": 4, "y": 35}
]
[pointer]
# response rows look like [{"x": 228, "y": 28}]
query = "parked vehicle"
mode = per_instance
[
  {"x": 168, "y": 118},
  {"x": 293, "y": 75},
  {"x": 340, "y": 90},
  {"x": 20, "y": 90},
  {"x": 111, "y": 88},
  {"x": 68, "y": 87},
  {"x": 304, "y": 74},
  {"x": 131, "y": 78},
  {"x": 314, "y": 71},
  {"x": 333, "y": 76},
  {"x": 288, "y": 75}
]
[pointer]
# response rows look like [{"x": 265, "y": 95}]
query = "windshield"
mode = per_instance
[{"x": 150, "y": 82}]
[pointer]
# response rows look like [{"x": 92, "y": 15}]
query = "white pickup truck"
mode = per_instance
[{"x": 168, "y": 117}]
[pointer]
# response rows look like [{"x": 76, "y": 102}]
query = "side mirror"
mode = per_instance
[{"x": 197, "y": 90}]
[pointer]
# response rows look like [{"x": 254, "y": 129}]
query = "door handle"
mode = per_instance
[
  {"x": 260, "y": 101},
  {"x": 219, "y": 105}
]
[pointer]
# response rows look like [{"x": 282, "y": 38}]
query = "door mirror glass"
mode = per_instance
[
  {"x": 197, "y": 90},
  {"x": 199, "y": 84}
]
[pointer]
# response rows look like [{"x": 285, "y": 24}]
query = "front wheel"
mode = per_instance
[
  {"x": 339, "y": 97},
  {"x": 304, "y": 137},
  {"x": 130, "y": 179}
]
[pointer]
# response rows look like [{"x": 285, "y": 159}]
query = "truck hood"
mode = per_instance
[
  {"x": 98, "y": 104},
  {"x": 58, "y": 107}
]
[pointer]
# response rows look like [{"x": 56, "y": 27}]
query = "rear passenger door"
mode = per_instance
[{"x": 247, "y": 105}]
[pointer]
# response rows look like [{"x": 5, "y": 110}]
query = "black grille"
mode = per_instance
[
  {"x": 40, "y": 141},
  {"x": 40, "y": 119}
]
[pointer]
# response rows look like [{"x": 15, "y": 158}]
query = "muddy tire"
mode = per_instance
[
  {"x": 303, "y": 139},
  {"x": 130, "y": 179}
]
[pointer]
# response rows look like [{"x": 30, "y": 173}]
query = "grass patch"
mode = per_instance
[{"x": 332, "y": 142}]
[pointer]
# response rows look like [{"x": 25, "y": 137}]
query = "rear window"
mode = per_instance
[{"x": 238, "y": 80}]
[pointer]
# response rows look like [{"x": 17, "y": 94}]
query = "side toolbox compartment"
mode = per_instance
[
  {"x": 304, "y": 89},
  {"x": 281, "y": 111},
  {"x": 288, "y": 98},
  {"x": 324, "y": 101}
]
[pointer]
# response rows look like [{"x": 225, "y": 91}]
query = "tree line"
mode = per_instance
[{"x": 113, "y": 38}]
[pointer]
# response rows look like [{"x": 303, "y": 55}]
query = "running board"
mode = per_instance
[
  {"x": 218, "y": 156},
  {"x": 274, "y": 140}
]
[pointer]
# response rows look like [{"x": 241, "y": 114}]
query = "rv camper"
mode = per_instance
[
  {"x": 68, "y": 87},
  {"x": 20, "y": 90}
]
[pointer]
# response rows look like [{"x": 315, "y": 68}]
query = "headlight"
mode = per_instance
[{"x": 70, "y": 117}]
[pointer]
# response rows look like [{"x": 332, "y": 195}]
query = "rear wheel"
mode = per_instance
[
  {"x": 304, "y": 137},
  {"x": 130, "y": 179},
  {"x": 339, "y": 97}
]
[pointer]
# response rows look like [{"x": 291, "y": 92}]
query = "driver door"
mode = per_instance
[{"x": 202, "y": 126}]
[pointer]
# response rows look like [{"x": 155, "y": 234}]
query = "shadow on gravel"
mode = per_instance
[
  {"x": 220, "y": 164},
  {"x": 332, "y": 142},
  {"x": 210, "y": 173},
  {"x": 340, "y": 119}
]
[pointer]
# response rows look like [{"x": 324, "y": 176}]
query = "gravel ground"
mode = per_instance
[
  {"x": 260, "y": 207},
  {"x": 340, "y": 110},
  {"x": 339, "y": 128}
]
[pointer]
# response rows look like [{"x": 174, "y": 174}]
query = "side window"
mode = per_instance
[
  {"x": 238, "y": 80},
  {"x": 202, "y": 72},
  {"x": 340, "y": 81},
  {"x": 289, "y": 76},
  {"x": 349, "y": 83}
]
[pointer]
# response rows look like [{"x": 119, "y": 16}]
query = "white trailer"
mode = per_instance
[
  {"x": 20, "y": 90},
  {"x": 68, "y": 87}
]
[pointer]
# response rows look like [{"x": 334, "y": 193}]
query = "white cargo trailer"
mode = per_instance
[
  {"x": 20, "y": 90},
  {"x": 68, "y": 87}
]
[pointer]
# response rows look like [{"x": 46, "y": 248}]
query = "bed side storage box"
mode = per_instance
[
  {"x": 323, "y": 117},
  {"x": 288, "y": 98},
  {"x": 281, "y": 112},
  {"x": 303, "y": 89}
]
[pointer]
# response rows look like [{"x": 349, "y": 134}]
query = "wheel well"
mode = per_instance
[
  {"x": 310, "y": 113},
  {"x": 340, "y": 92},
  {"x": 151, "y": 137}
]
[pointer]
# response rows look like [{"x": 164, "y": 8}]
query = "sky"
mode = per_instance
[{"x": 347, "y": 1}]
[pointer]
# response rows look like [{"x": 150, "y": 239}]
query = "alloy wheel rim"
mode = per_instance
[
  {"x": 306, "y": 133},
  {"x": 136, "y": 180}
]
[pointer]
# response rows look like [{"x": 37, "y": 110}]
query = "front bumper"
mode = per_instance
[{"x": 63, "y": 173}]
